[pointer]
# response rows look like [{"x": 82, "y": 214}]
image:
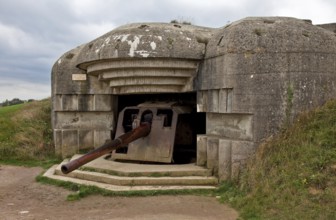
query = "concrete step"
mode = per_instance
[
  {"x": 138, "y": 181},
  {"x": 119, "y": 176},
  {"x": 51, "y": 174},
  {"x": 130, "y": 169}
]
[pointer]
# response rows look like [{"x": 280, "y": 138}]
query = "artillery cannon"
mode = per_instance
[
  {"x": 147, "y": 132},
  {"x": 136, "y": 133}
]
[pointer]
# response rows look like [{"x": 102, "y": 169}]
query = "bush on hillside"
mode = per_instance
[{"x": 293, "y": 175}]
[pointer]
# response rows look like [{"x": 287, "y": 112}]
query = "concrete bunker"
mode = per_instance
[{"x": 243, "y": 82}]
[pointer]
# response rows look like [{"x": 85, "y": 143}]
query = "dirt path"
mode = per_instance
[{"x": 23, "y": 198}]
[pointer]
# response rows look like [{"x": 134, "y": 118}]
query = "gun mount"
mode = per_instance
[
  {"x": 171, "y": 131},
  {"x": 147, "y": 132},
  {"x": 141, "y": 131}
]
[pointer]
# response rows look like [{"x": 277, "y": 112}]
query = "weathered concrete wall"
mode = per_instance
[
  {"x": 139, "y": 40},
  {"x": 148, "y": 76},
  {"x": 251, "y": 77},
  {"x": 330, "y": 27},
  {"x": 146, "y": 58},
  {"x": 132, "y": 59},
  {"x": 271, "y": 69},
  {"x": 83, "y": 114}
]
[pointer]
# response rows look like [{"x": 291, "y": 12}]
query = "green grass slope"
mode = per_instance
[
  {"x": 293, "y": 175},
  {"x": 26, "y": 134}
]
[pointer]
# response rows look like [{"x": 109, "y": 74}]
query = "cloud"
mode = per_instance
[
  {"x": 91, "y": 30},
  {"x": 35, "y": 33},
  {"x": 22, "y": 89},
  {"x": 318, "y": 11},
  {"x": 13, "y": 38}
]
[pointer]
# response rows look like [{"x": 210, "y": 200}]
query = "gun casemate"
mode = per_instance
[{"x": 147, "y": 132}]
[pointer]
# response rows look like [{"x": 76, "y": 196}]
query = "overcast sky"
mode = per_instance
[{"x": 35, "y": 33}]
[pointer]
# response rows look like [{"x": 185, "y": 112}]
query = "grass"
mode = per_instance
[
  {"x": 293, "y": 175},
  {"x": 26, "y": 134},
  {"x": 7, "y": 128}
]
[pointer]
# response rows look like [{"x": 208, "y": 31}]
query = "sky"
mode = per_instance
[{"x": 35, "y": 33}]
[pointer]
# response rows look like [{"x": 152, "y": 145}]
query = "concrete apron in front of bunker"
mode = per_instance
[
  {"x": 170, "y": 129},
  {"x": 120, "y": 176}
]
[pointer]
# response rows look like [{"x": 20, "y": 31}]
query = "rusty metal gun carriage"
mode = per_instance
[{"x": 147, "y": 132}]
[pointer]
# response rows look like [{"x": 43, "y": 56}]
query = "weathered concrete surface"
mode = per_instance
[
  {"x": 137, "y": 169},
  {"x": 145, "y": 40},
  {"x": 83, "y": 113},
  {"x": 330, "y": 27},
  {"x": 138, "y": 76},
  {"x": 275, "y": 67},
  {"x": 117, "y": 176},
  {"x": 98, "y": 181},
  {"x": 251, "y": 77},
  {"x": 132, "y": 59}
]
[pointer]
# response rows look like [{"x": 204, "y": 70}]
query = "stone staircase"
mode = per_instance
[{"x": 122, "y": 176}]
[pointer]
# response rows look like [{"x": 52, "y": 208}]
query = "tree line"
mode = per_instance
[{"x": 14, "y": 101}]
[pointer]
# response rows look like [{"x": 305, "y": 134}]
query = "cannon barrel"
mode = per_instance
[{"x": 141, "y": 131}]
